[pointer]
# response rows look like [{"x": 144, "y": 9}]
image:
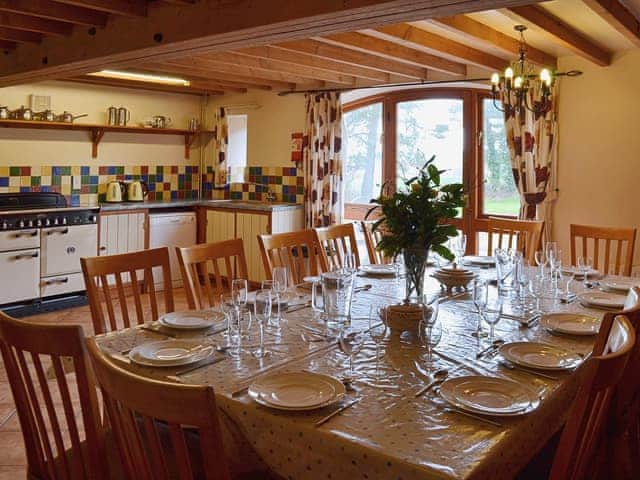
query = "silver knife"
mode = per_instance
[
  {"x": 192, "y": 368},
  {"x": 324, "y": 420}
]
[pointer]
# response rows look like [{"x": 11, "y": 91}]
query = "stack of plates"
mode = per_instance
[
  {"x": 452, "y": 277},
  {"x": 192, "y": 320},
  {"x": 602, "y": 300},
  {"x": 382, "y": 270},
  {"x": 169, "y": 353},
  {"x": 489, "y": 396},
  {"x": 571, "y": 323},
  {"x": 296, "y": 391},
  {"x": 620, "y": 285},
  {"x": 540, "y": 356},
  {"x": 482, "y": 261}
]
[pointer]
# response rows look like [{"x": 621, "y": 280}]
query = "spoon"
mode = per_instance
[{"x": 438, "y": 377}]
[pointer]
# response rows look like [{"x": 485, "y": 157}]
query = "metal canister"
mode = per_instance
[
  {"x": 193, "y": 124},
  {"x": 123, "y": 116},
  {"x": 112, "y": 115}
]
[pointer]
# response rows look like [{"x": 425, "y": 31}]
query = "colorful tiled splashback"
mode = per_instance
[
  {"x": 286, "y": 182},
  {"x": 166, "y": 182}
]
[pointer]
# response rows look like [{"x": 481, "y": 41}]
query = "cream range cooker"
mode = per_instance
[{"x": 41, "y": 243}]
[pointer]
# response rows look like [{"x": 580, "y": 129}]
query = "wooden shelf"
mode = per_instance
[{"x": 96, "y": 132}]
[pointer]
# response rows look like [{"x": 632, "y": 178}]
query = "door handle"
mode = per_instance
[
  {"x": 53, "y": 281},
  {"x": 26, "y": 256},
  {"x": 26, "y": 234},
  {"x": 61, "y": 231}
]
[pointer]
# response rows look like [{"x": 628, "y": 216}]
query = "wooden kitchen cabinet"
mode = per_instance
[
  {"x": 123, "y": 232},
  {"x": 248, "y": 227},
  {"x": 220, "y": 225}
]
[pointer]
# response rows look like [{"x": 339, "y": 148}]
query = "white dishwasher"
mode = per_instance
[{"x": 173, "y": 229}]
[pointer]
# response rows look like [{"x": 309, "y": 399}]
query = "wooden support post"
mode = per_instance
[{"x": 96, "y": 136}]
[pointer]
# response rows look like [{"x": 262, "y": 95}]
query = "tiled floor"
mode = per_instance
[{"x": 12, "y": 455}]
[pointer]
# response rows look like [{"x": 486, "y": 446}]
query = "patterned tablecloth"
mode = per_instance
[{"x": 390, "y": 433}]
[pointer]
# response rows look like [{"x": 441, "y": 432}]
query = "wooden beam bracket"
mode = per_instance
[
  {"x": 189, "y": 138},
  {"x": 96, "y": 136}
]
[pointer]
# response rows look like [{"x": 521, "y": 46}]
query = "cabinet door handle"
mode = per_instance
[
  {"x": 61, "y": 231},
  {"x": 54, "y": 281},
  {"x": 103, "y": 248},
  {"x": 26, "y": 234},
  {"x": 26, "y": 256}
]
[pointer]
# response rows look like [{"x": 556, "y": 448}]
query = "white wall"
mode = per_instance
[{"x": 599, "y": 146}]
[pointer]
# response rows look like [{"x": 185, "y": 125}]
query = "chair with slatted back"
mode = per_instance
[
  {"x": 522, "y": 235},
  {"x": 622, "y": 240},
  {"x": 59, "y": 443},
  {"x": 336, "y": 242},
  {"x": 224, "y": 260},
  {"x": 585, "y": 426},
  {"x": 298, "y": 251},
  {"x": 371, "y": 239},
  {"x": 147, "y": 417},
  {"x": 105, "y": 279}
]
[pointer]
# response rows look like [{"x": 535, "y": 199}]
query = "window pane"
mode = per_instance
[
  {"x": 500, "y": 195},
  {"x": 362, "y": 135},
  {"x": 430, "y": 127},
  {"x": 237, "y": 147}
]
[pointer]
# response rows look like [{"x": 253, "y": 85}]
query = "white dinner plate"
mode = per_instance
[
  {"x": 297, "y": 390},
  {"x": 191, "y": 320},
  {"x": 489, "y": 395},
  {"x": 169, "y": 353},
  {"x": 578, "y": 272},
  {"x": 602, "y": 299},
  {"x": 379, "y": 270},
  {"x": 619, "y": 285},
  {"x": 571, "y": 323},
  {"x": 540, "y": 356},
  {"x": 480, "y": 260}
]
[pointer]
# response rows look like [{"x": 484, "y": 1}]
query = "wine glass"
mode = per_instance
[
  {"x": 459, "y": 247},
  {"x": 536, "y": 288},
  {"x": 377, "y": 326},
  {"x": 429, "y": 334},
  {"x": 541, "y": 261},
  {"x": 585, "y": 264},
  {"x": 351, "y": 341},
  {"x": 262, "y": 310},
  {"x": 492, "y": 315},
  {"x": 227, "y": 306},
  {"x": 480, "y": 297},
  {"x": 239, "y": 292},
  {"x": 280, "y": 278},
  {"x": 349, "y": 263}
]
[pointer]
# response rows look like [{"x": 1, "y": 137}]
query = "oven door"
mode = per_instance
[
  {"x": 20, "y": 277},
  {"x": 62, "y": 248}
]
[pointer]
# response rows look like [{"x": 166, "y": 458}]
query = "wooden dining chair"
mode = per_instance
[
  {"x": 522, "y": 235},
  {"x": 618, "y": 243},
  {"x": 147, "y": 418},
  {"x": 223, "y": 260},
  {"x": 337, "y": 241},
  {"x": 298, "y": 251},
  {"x": 371, "y": 239},
  {"x": 105, "y": 278},
  {"x": 59, "y": 443},
  {"x": 586, "y": 424}
]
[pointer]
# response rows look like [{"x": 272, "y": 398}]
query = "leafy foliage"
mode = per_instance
[{"x": 417, "y": 218}]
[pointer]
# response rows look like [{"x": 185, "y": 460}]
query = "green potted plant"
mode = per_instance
[{"x": 416, "y": 220}]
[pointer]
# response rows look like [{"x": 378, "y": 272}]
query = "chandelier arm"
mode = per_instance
[{"x": 495, "y": 105}]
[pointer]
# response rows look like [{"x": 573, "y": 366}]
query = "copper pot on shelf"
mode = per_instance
[{"x": 68, "y": 117}]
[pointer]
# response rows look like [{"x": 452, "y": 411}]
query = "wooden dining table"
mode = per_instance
[{"x": 389, "y": 433}]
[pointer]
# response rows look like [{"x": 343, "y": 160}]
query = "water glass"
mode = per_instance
[
  {"x": 351, "y": 341},
  {"x": 280, "y": 276},
  {"x": 585, "y": 264},
  {"x": 262, "y": 309},
  {"x": 459, "y": 245},
  {"x": 239, "y": 291},
  {"x": 536, "y": 288},
  {"x": 350, "y": 264},
  {"x": 268, "y": 285},
  {"x": 505, "y": 264},
  {"x": 227, "y": 306},
  {"x": 235, "y": 333},
  {"x": 492, "y": 315},
  {"x": 541, "y": 261},
  {"x": 521, "y": 279},
  {"x": 480, "y": 298}
]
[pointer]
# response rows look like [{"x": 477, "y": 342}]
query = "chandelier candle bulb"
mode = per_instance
[{"x": 517, "y": 83}]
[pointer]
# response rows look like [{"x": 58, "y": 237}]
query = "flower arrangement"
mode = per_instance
[{"x": 414, "y": 221}]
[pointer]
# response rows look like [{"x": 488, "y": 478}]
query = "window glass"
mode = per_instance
[
  {"x": 237, "y": 148},
  {"x": 500, "y": 196},
  {"x": 362, "y": 150}
]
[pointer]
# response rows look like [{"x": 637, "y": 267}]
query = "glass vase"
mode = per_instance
[{"x": 415, "y": 264}]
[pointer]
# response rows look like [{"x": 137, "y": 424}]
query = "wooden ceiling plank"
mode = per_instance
[
  {"x": 133, "y": 8},
  {"x": 563, "y": 34},
  {"x": 15, "y": 35},
  {"x": 114, "y": 82},
  {"x": 34, "y": 24},
  {"x": 392, "y": 50},
  {"x": 7, "y": 45},
  {"x": 215, "y": 25},
  {"x": 55, "y": 11},
  {"x": 437, "y": 44},
  {"x": 354, "y": 57},
  {"x": 474, "y": 30},
  {"x": 619, "y": 17},
  {"x": 306, "y": 60}
]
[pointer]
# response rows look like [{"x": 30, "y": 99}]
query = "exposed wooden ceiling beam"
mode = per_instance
[
  {"x": 54, "y": 11},
  {"x": 563, "y": 34},
  {"x": 135, "y": 8},
  {"x": 259, "y": 83},
  {"x": 305, "y": 60},
  {"x": 395, "y": 51},
  {"x": 112, "y": 82},
  {"x": 439, "y": 45},
  {"x": 14, "y": 35},
  {"x": 34, "y": 24},
  {"x": 357, "y": 58},
  {"x": 214, "y": 25},
  {"x": 619, "y": 17},
  {"x": 6, "y": 45},
  {"x": 474, "y": 30},
  {"x": 268, "y": 65}
]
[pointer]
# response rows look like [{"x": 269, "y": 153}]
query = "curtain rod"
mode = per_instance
[{"x": 570, "y": 73}]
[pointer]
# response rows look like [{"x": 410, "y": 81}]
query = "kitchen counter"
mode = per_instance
[{"x": 227, "y": 204}]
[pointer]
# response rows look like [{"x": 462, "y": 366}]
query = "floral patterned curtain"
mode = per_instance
[
  {"x": 220, "y": 142},
  {"x": 532, "y": 142},
  {"x": 321, "y": 145}
]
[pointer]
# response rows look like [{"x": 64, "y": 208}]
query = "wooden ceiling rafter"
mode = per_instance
[
  {"x": 19, "y": 36},
  {"x": 619, "y": 17},
  {"x": 52, "y": 10},
  {"x": 473, "y": 31},
  {"x": 34, "y": 24},
  {"x": 563, "y": 34},
  {"x": 114, "y": 82},
  {"x": 133, "y": 8},
  {"x": 7, "y": 45}
]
